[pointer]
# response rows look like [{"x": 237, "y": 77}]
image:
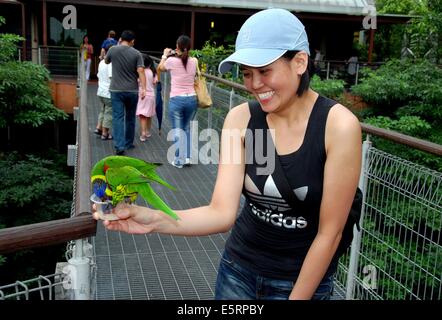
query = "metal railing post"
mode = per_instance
[
  {"x": 357, "y": 73},
  {"x": 356, "y": 243},
  {"x": 328, "y": 70},
  {"x": 39, "y": 55},
  {"x": 80, "y": 272},
  {"x": 209, "y": 114},
  {"x": 232, "y": 92}
]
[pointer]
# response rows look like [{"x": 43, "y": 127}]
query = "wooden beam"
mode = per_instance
[
  {"x": 44, "y": 23},
  {"x": 47, "y": 233},
  {"x": 192, "y": 30},
  {"x": 416, "y": 143}
]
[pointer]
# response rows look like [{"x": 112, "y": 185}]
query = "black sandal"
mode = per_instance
[
  {"x": 98, "y": 132},
  {"x": 108, "y": 137}
]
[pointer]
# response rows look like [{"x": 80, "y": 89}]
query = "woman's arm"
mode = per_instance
[
  {"x": 220, "y": 214},
  {"x": 341, "y": 176},
  {"x": 162, "y": 66}
]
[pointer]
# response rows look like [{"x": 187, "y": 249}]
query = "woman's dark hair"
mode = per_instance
[
  {"x": 183, "y": 43},
  {"x": 148, "y": 63},
  {"x": 305, "y": 78},
  {"x": 85, "y": 36}
]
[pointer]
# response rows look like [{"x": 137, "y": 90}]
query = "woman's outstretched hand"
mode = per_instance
[{"x": 132, "y": 219}]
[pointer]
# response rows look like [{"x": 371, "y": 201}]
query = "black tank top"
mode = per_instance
[{"x": 270, "y": 237}]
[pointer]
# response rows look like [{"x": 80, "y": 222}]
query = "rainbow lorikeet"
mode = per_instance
[{"x": 118, "y": 178}]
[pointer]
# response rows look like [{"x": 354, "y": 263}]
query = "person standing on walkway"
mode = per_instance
[
  {"x": 86, "y": 51},
  {"x": 146, "y": 106},
  {"x": 127, "y": 67},
  {"x": 277, "y": 249},
  {"x": 183, "y": 102},
  {"x": 104, "y": 76},
  {"x": 107, "y": 43}
]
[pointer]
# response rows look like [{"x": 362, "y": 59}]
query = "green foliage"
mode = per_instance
[
  {"x": 8, "y": 44},
  {"x": 25, "y": 97},
  {"x": 33, "y": 190},
  {"x": 423, "y": 33},
  {"x": 210, "y": 55},
  {"x": 401, "y": 6},
  {"x": 329, "y": 88},
  {"x": 413, "y": 126},
  {"x": 400, "y": 83},
  {"x": 410, "y": 125}
]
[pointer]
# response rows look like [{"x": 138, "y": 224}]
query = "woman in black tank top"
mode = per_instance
[{"x": 280, "y": 247}]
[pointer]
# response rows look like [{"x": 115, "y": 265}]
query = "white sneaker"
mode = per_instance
[
  {"x": 187, "y": 162},
  {"x": 176, "y": 165}
]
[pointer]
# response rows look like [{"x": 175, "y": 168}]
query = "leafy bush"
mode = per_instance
[
  {"x": 33, "y": 190},
  {"x": 210, "y": 56},
  {"x": 413, "y": 126},
  {"x": 8, "y": 44},
  {"x": 329, "y": 88},
  {"x": 401, "y": 83},
  {"x": 25, "y": 97}
]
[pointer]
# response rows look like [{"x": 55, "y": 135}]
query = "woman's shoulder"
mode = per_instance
[
  {"x": 238, "y": 117},
  {"x": 342, "y": 122}
]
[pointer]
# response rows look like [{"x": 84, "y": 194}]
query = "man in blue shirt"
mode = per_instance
[{"x": 110, "y": 41}]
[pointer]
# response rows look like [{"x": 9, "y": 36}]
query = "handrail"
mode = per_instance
[
  {"x": 404, "y": 139},
  {"x": 46, "y": 233},
  {"x": 83, "y": 186}
]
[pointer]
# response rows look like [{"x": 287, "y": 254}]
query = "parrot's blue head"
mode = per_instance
[{"x": 99, "y": 188}]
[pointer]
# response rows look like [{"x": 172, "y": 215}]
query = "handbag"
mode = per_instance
[
  {"x": 286, "y": 191},
  {"x": 203, "y": 96}
]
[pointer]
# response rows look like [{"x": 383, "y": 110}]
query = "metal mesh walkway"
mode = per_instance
[{"x": 156, "y": 266}]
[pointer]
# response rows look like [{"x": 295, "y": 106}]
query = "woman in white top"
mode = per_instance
[{"x": 104, "y": 123}]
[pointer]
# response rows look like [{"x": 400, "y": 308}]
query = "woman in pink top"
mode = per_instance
[
  {"x": 183, "y": 101},
  {"x": 146, "y": 106}
]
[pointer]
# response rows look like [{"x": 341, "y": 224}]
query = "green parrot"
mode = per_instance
[
  {"x": 129, "y": 182},
  {"x": 105, "y": 190}
]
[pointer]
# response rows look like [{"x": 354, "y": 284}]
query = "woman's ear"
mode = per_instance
[{"x": 300, "y": 62}]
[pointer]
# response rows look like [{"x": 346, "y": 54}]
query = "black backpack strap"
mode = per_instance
[{"x": 279, "y": 177}]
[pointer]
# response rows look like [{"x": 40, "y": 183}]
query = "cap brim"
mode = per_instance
[{"x": 251, "y": 57}]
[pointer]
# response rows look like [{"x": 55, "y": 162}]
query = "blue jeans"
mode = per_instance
[
  {"x": 124, "y": 107},
  {"x": 182, "y": 110},
  {"x": 235, "y": 282}
]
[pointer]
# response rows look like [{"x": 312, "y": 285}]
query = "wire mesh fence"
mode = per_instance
[{"x": 400, "y": 257}]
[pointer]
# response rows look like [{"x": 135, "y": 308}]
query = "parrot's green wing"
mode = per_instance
[
  {"x": 152, "y": 175},
  {"x": 152, "y": 198},
  {"x": 146, "y": 168},
  {"x": 124, "y": 176}
]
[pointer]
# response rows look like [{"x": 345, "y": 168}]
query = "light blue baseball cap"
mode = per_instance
[{"x": 265, "y": 37}]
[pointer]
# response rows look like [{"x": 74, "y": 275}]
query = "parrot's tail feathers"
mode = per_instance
[{"x": 152, "y": 198}]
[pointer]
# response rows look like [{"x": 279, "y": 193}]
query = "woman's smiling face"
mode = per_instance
[{"x": 274, "y": 85}]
